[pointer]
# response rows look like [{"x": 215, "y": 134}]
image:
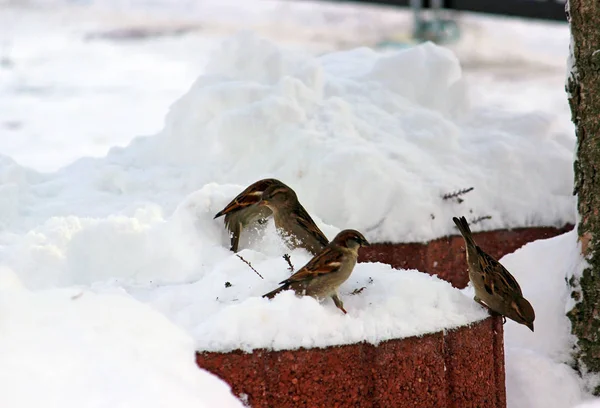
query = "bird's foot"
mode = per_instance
[{"x": 338, "y": 303}]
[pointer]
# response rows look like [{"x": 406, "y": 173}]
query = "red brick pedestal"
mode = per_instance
[{"x": 461, "y": 368}]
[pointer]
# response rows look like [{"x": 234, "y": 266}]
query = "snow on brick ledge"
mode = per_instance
[
  {"x": 463, "y": 368},
  {"x": 445, "y": 257}
]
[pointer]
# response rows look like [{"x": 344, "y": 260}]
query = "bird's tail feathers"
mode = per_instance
[
  {"x": 465, "y": 230},
  {"x": 272, "y": 294}
]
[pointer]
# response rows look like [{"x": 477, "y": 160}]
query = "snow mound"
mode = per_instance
[
  {"x": 224, "y": 310},
  {"x": 14, "y": 188},
  {"x": 396, "y": 127},
  {"x": 182, "y": 267},
  {"x": 136, "y": 249},
  {"x": 367, "y": 139},
  {"x": 75, "y": 348},
  {"x": 542, "y": 268},
  {"x": 558, "y": 387},
  {"x": 595, "y": 403}
]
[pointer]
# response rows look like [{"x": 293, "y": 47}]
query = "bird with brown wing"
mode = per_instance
[
  {"x": 322, "y": 275},
  {"x": 243, "y": 211},
  {"x": 292, "y": 220},
  {"x": 495, "y": 288}
]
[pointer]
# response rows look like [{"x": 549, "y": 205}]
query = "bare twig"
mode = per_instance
[
  {"x": 456, "y": 194},
  {"x": 358, "y": 291},
  {"x": 288, "y": 259},
  {"x": 479, "y": 219},
  {"x": 250, "y": 265}
]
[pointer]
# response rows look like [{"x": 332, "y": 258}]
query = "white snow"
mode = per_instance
[
  {"x": 590, "y": 404},
  {"x": 332, "y": 126},
  {"x": 74, "y": 348},
  {"x": 94, "y": 251},
  {"x": 180, "y": 267},
  {"x": 538, "y": 372}
]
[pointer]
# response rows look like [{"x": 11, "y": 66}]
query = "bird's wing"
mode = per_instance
[
  {"x": 251, "y": 195},
  {"x": 496, "y": 279},
  {"x": 305, "y": 221},
  {"x": 327, "y": 261}
]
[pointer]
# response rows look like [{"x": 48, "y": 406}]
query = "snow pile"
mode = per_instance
[
  {"x": 538, "y": 374},
  {"x": 395, "y": 126},
  {"x": 590, "y": 404},
  {"x": 75, "y": 348},
  {"x": 182, "y": 266}
]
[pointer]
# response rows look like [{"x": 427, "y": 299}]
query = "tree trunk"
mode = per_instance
[{"x": 583, "y": 88}]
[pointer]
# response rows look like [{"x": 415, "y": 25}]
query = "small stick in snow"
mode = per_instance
[
  {"x": 288, "y": 259},
  {"x": 358, "y": 291},
  {"x": 456, "y": 194},
  {"x": 479, "y": 219},
  {"x": 250, "y": 265}
]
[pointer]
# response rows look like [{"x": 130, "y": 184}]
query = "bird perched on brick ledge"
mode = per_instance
[
  {"x": 322, "y": 275},
  {"x": 243, "y": 211},
  {"x": 495, "y": 288},
  {"x": 292, "y": 220}
]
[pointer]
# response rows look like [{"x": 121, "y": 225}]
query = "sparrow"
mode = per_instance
[
  {"x": 495, "y": 287},
  {"x": 324, "y": 273},
  {"x": 292, "y": 219},
  {"x": 243, "y": 211}
]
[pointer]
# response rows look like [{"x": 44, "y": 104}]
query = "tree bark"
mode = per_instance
[{"x": 583, "y": 88}]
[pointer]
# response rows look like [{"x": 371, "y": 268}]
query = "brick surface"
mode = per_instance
[
  {"x": 470, "y": 367},
  {"x": 460, "y": 368},
  {"x": 409, "y": 373},
  {"x": 245, "y": 372}
]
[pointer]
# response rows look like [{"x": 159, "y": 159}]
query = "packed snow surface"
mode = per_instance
[
  {"x": 183, "y": 267},
  {"x": 74, "y": 348},
  {"x": 538, "y": 371}
]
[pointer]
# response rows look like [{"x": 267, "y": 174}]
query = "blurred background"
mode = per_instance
[{"x": 80, "y": 76}]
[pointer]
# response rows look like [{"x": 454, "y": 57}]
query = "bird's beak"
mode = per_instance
[{"x": 365, "y": 243}]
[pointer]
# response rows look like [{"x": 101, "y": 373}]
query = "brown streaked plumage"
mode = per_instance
[
  {"x": 494, "y": 286},
  {"x": 243, "y": 211},
  {"x": 322, "y": 275},
  {"x": 292, "y": 219}
]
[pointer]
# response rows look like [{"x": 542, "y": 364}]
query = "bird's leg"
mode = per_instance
[
  {"x": 235, "y": 236},
  {"x": 476, "y": 299},
  {"x": 338, "y": 302}
]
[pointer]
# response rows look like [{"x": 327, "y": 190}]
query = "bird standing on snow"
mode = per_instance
[
  {"x": 243, "y": 211},
  {"x": 494, "y": 286},
  {"x": 323, "y": 274},
  {"x": 292, "y": 219}
]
